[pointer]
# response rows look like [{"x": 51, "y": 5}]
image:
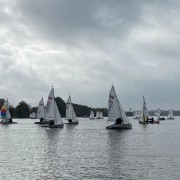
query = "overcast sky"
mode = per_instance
[{"x": 81, "y": 47}]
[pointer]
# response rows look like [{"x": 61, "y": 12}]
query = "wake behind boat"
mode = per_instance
[
  {"x": 116, "y": 113},
  {"x": 5, "y": 114}
]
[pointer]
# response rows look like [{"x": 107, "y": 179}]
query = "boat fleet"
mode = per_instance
[{"x": 49, "y": 115}]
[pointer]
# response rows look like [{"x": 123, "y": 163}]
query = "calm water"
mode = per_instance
[{"x": 89, "y": 151}]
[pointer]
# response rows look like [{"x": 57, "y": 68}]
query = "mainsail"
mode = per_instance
[
  {"x": 5, "y": 114},
  {"x": 144, "y": 112},
  {"x": 115, "y": 109},
  {"x": 41, "y": 110},
  {"x": 70, "y": 114}
]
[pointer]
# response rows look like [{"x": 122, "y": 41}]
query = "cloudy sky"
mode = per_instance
[{"x": 81, "y": 47}]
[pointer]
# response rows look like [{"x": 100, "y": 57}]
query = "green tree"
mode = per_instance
[
  {"x": 61, "y": 106},
  {"x": 22, "y": 110},
  {"x": 12, "y": 111}
]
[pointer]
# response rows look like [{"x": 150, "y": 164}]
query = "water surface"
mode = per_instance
[{"x": 89, "y": 151}]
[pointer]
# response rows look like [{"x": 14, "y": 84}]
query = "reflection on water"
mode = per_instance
[{"x": 89, "y": 151}]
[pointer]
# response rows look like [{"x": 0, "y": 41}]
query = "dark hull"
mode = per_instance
[
  {"x": 119, "y": 126},
  {"x": 73, "y": 123},
  {"x": 57, "y": 126},
  {"x": 44, "y": 122},
  {"x": 149, "y": 122},
  {"x": 8, "y": 122},
  {"x": 170, "y": 118}
]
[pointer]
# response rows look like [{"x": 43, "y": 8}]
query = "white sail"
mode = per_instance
[
  {"x": 97, "y": 115},
  {"x": 101, "y": 115},
  {"x": 144, "y": 112},
  {"x": 70, "y": 113},
  {"x": 91, "y": 115},
  {"x": 57, "y": 116},
  {"x": 32, "y": 115},
  {"x": 136, "y": 114},
  {"x": 170, "y": 114},
  {"x": 115, "y": 109},
  {"x": 50, "y": 106},
  {"x": 158, "y": 113},
  {"x": 41, "y": 110},
  {"x": 69, "y": 109}
]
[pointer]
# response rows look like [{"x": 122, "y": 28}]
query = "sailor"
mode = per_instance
[
  {"x": 70, "y": 121},
  {"x": 10, "y": 119},
  {"x": 152, "y": 119},
  {"x": 41, "y": 120},
  {"x": 51, "y": 122},
  {"x": 119, "y": 120}
]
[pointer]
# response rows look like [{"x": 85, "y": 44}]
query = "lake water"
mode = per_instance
[{"x": 89, "y": 151}]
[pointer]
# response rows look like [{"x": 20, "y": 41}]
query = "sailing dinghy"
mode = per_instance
[
  {"x": 97, "y": 115},
  {"x": 144, "y": 115},
  {"x": 91, "y": 116},
  {"x": 170, "y": 115},
  {"x": 101, "y": 115},
  {"x": 70, "y": 113},
  {"x": 41, "y": 113},
  {"x": 52, "y": 112},
  {"x": 116, "y": 113},
  {"x": 5, "y": 114}
]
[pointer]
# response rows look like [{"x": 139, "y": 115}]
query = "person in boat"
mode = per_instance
[
  {"x": 41, "y": 120},
  {"x": 70, "y": 121},
  {"x": 51, "y": 122},
  {"x": 10, "y": 119},
  {"x": 152, "y": 119},
  {"x": 119, "y": 120}
]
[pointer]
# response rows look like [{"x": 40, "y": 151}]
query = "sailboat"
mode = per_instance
[
  {"x": 100, "y": 115},
  {"x": 91, "y": 116},
  {"x": 41, "y": 113},
  {"x": 144, "y": 113},
  {"x": 52, "y": 112},
  {"x": 5, "y": 114},
  {"x": 70, "y": 114},
  {"x": 97, "y": 115},
  {"x": 136, "y": 115},
  {"x": 170, "y": 114},
  {"x": 116, "y": 113},
  {"x": 158, "y": 114},
  {"x": 32, "y": 115}
]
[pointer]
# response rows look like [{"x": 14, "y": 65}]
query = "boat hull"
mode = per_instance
[
  {"x": 57, "y": 126},
  {"x": 170, "y": 118},
  {"x": 149, "y": 122},
  {"x": 44, "y": 122},
  {"x": 120, "y": 126},
  {"x": 145, "y": 122},
  {"x": 8, "y": 122},
  {"x": 73, "y": 123}
]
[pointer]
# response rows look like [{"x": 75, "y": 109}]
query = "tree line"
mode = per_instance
[{"x": 23, "y": 110}]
